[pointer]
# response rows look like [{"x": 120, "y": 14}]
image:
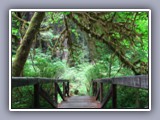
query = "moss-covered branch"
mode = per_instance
[
  {"x": 24, "y": 48},
  {"x": 110, "y": 44}
]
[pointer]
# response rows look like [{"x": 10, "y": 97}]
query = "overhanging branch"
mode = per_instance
[{"x": 110, "y": 44}]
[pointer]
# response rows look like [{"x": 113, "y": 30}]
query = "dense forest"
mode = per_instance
[{"x": 80, "y": 46}]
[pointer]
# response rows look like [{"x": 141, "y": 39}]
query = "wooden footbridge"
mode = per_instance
[{"x": 98, "y": 100}]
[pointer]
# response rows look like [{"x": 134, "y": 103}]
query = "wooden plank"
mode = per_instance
[
  {"x": 103, "y": 80},
  {"x": 80, "y": 98},
  {"x": 80, "y": 102},
  {"x": 17, "y": 82},
  {"x": 60, "y": 80},
  {"x": 139, "y": 81}
]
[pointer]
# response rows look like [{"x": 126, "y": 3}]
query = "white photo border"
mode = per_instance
[{"x": 61, "y": 10}]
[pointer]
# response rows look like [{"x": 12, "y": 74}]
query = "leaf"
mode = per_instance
[{"x": 66, "y": 13}]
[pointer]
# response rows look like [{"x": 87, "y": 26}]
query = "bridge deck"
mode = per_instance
[{"x": 80, "y": 102}]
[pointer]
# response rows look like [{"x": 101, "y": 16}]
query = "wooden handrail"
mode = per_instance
[
  {"x": 36, "y": 81},
  {"x": 139, "y": 81},
  {"x": 23, "y": 81}
]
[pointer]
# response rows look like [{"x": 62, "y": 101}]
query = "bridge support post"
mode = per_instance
[
  {"x": 101, "y": 92},
  {"x": 68, "y": 89},
  {"x": 64, "y": 89},
  {"x": 36, "y": 96},
  {"x": 94, "y": 88},
  {"x": 114, "y": 96},
  {"x": 55, "y": 93}
]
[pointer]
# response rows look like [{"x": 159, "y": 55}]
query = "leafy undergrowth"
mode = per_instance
[
  {"x": 80, "y": 78},
  {"x": 43, "y": 66}
]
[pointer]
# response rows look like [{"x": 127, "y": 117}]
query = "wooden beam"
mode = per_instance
[
  {"x": 97, "y": 94},
  {"x": 18, "y": 82},
  {"x": 114, "y": 96},
  {"x": 36, "y": 96},
  {"x": 44, "y": 94},
  {"x": 56, "y": 93},
  {"x": 24, "y": 81},
  {"x": 68, "y": 88},
  {"x": 64, "y": 89},
  {"x": 107, "y": 97},
  {"x": 94, "y": 88},
  {"x": 101, "y": 92},
  {"x": 103, "y": 80},
  {"x": 60, "y": 92},
  {"x": 139, "y": 81}
]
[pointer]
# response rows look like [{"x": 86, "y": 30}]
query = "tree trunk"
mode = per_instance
[
  {"x": 24, "y": 48},
  {"x": 92, "y": 46},
  {"x": 92, "y": 50}
]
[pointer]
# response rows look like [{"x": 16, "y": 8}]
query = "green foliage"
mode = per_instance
[
  {"x": 106, "y": 64},
  {"x": 44, "y": 67},
  {"x": 66, "y": 13},
  {"x": 19, "y": 99},
  {"x": 15, "y": 31},
  {"x": 22, "y": 97},
  {"x": 127, "y": 97},
  {"x": 82, "y": 75},
  {"x": 15, "y": 28}
]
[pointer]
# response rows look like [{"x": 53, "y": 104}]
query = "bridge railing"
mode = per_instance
[
  {"x": 139, "y": 81},
  {"x": 39, "y": 91}
]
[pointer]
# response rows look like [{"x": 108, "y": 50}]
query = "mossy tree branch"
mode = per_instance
[
  {"x": 109, "y": 43},
  {"x": 23, "y": 50}
]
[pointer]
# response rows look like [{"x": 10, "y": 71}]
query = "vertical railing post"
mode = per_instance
[
  {"x": 97, "y": 90},
  {"x": 93, "y": 88},
  {"x": 101, "y": 92},
  {"x": 55, "y": 93},
  {"x": 36, "y": 96},
  {"x": 114, "y": 96},
  {"x": 64, "y": 89},
  {"x": 68, "y": 88}
]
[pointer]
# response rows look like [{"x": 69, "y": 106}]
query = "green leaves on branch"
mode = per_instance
[{"x": 66, "y": 13}]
